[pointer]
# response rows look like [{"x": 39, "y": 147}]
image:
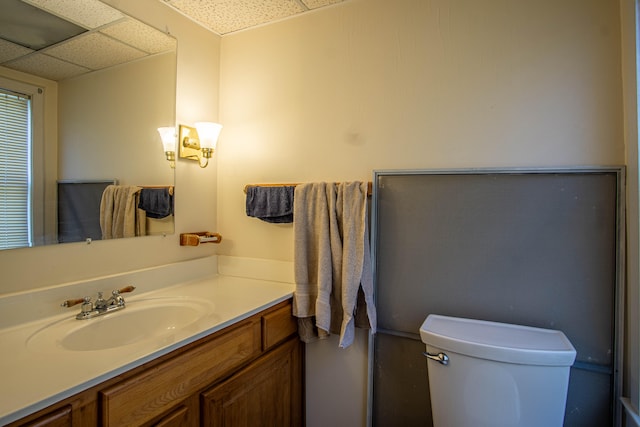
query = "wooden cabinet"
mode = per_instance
[
  {"x": 184, "y": 415},
  {"x": 181, "y": 417},
  {"x": 57, "y": 418},
  {"x": 261, "y": 395},
  {"x": 277, "y": 325},
  {"x": 249, "y": 373},
  {"x": 142, "y": 397}
]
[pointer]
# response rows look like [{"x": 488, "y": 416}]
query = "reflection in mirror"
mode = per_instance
[{"x": 115, "y": 84}]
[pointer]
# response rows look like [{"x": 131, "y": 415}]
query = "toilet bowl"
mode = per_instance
[{"x": 489, "y": 374}]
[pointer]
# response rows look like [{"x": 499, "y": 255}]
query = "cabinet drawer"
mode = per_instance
[
  {"x": 143, "y": 397},
  {"x": 277, "y": 326}
]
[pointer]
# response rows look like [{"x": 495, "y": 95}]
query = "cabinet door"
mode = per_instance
[
  {"x": 180, "y": 417},
  {"x": 58, "y": 418},
  {"x": 185, "y": 414},
  {"x": 266, "y": 393}
]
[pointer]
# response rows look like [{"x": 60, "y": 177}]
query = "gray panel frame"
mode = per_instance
[
  {"x": 620, "y": 265},
  {"x": 67, "y": 234}
]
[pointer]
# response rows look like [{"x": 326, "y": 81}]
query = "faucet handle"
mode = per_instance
[
  {"x": 72, "y": 302},
  {"x": 126, "y": 289},
  {"x": 117, "y": 298}
]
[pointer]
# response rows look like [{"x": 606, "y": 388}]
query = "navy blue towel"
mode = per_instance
[
  {"x": 157, "y": 202},
  {"x": 270, "y": 204}
]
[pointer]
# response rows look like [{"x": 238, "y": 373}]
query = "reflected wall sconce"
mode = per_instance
[
  {"x": 168, "y": 136},
  {"x": 198, "y": 143}
]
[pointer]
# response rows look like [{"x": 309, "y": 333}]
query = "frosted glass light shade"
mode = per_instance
[
  {"x": 168, "y": 136},
  {"x": 208, "y": 132}
]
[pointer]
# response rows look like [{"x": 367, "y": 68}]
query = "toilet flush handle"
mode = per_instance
[{"x": 440, "y": 357}]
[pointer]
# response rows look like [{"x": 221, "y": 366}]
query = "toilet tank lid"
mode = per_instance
[{"x": 498, "y": 341}]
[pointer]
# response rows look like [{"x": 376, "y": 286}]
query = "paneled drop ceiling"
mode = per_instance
[
  {"x": 111, "y": 38},
  {"x": 227, "y": 16}
]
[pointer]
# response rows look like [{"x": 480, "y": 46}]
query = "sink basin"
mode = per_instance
[{"x": 140, "y": 321}]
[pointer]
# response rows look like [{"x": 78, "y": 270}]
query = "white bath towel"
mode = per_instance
[
  {"x": 313, "y": 265},
  {"x": 332, "y": 260},
  {"x": 119, "y": 213},
  {"x": 351, "y": 209}
]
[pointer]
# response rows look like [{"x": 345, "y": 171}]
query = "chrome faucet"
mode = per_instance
[{"x": 89, "y": 310}]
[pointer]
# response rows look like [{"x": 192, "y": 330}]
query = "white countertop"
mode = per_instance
[{"x": 34, "y": 379}]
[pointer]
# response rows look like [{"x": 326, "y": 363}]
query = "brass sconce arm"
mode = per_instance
[{"x": 191, "y": 144}]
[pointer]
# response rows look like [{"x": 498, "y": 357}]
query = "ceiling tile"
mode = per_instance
[
  {"x": 9, "y": 51},
  {"x": 95, "y": 51},
  {"x": 141, "y": 36},
  {"x": 46, "y": 66},
  {"x": 88, "y": 13},
  {"x": 225, "y": 16}
]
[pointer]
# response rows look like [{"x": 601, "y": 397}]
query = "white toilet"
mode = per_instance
[{"x": 488, "y": 374}]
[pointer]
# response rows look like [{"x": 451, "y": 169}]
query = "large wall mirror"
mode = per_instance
[{"x": 116, "y": 81}]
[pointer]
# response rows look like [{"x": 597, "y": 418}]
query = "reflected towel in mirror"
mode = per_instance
[
  {"x": 156, "y": 202},
  {"x": 119, "y": 213}
]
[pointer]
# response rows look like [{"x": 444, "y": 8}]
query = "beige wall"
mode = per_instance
[
  {"x": 373, "y": 84},
  {"x": 98, "y": 141},
  {"x": 196, "y": 99}
]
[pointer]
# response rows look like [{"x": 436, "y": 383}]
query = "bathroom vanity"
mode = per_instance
[
  {"x": 246, "y": 372},
  {"x": 238, "y": 363}
]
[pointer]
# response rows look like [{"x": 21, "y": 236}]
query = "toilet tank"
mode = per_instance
[{"x": 495, "y": 374}]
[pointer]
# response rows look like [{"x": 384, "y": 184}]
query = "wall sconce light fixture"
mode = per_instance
[
  {"x": 199, "y": 142},
  {"x": 168, "y": 136}
]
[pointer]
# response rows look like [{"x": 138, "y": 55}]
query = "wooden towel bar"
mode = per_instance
[{"x": 246, "y": 187}]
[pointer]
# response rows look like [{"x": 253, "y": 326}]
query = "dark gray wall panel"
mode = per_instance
[
  {"x": 401, "y": 366},
  {"x": 588, "y": 399},
  {"x": 531, "y": 248}
]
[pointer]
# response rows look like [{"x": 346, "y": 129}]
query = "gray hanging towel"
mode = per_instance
[
  {"x": 156, "y": 202},
  {"x": 332, "y": 261},
  {"x": 270, "y": 204}
]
